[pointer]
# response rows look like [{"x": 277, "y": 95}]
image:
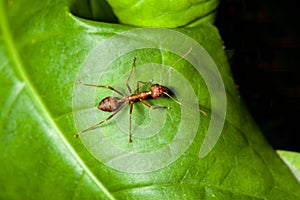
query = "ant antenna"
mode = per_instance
[
  {"x": 178, "y": 102},
  {"x": 177, "y": 61},
  {"x": 168, "y": 95}
]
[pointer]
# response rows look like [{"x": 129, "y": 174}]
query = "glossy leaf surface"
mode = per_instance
[{"x": 43, "y": 47}]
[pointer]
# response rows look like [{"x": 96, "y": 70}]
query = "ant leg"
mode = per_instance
[
  {"x": 98, "y": 124},
  {"x": 132, "y": 66},
  {"x": 101, "y": 86},
  {"x": 138, "y": 85},
  {"x": 155, "y": 106},
  {"x": 130, "y": 119}
]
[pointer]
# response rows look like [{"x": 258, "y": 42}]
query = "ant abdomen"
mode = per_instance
[{"x": 109, "y": 104}]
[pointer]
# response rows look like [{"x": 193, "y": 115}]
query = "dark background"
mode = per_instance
[{"x": 264, "y": 39}]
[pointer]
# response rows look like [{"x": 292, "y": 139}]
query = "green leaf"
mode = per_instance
[
  {"x": 292, "y": 159},
  {"x": 169, "y": 14},
  {"x": 43, "y": 48}
]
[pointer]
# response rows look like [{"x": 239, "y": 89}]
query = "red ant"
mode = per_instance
[{"x": 115, "y": 104}]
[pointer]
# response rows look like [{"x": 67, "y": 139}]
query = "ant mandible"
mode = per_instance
[{"x": 116, "y": 104}]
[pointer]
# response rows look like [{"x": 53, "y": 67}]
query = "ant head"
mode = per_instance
[{"x": 157, "y": 90}]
